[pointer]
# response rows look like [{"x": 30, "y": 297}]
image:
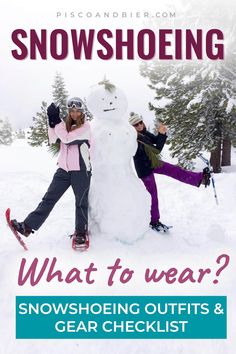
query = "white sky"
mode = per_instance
[{"x": 25, "y": 83}]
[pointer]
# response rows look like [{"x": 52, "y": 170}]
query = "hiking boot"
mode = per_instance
[
  {"x": 21, "y": 227},
  {"x": 158, "y": 226},
  {"x": 80, "y": 238}
]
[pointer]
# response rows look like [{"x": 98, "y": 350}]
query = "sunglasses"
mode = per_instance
[
  {"x": 74, "y": 104},
  {"x": 137, "y": 124}
]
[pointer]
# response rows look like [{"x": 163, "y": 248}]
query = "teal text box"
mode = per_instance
[{"x": 121, "y": 317}]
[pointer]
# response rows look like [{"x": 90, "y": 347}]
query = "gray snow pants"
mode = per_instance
[{"x": 62, "y": 180}]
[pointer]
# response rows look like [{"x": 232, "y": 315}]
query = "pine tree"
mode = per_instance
[
  {"x": 199, "y": 107},
  {"x": 38, "y": 134},
  {"x": 60, "y": 94},
  {"x": 60, "y": 97},
  {"x": 6, "y": 135},
  {"x": 20, "y": 134},
  {"x": 197, "y": 99},
  {"x": 87, "y": 112}
]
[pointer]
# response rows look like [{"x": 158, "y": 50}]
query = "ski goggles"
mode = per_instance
[{"x": 74, "y": 104}]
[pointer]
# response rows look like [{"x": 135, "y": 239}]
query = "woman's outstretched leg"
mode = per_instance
[
  {"x": 58, "y": 186},
  {"x": 180, "y": 174}
]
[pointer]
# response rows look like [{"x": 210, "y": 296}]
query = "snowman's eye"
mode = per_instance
[
  {"x": 115, "y": 96},
  {"x": 103, "y": 99}
]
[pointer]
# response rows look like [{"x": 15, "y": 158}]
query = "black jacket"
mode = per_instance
[{"x": 141, "y": 160}]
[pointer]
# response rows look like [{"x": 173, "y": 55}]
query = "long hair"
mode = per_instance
[
  {"x": 140, "y": 134},
  {"x": 76, "y": 124}
]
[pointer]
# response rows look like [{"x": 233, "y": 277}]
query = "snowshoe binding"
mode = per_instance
[
  {"x": 206, "y": 177},
  {"x": 80, "y": 241},
  {"x": 159, "y": 226},
  {"x": 21, "y": 227}
]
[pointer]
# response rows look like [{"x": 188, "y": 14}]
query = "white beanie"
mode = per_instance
[{"x": 134, "y": 119}]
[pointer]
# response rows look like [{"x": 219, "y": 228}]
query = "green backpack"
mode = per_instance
[{"x": 153, "y": 154}]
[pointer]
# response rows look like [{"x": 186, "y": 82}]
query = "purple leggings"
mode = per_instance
[{"x": 176, "y": 172}]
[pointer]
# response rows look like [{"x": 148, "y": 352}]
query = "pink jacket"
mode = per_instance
[{"x": 70, "y": 155}]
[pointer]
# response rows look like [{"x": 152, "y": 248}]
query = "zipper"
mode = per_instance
[{"x": 67, "y": 158}]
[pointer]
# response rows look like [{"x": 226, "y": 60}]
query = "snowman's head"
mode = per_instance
[{"x": 107, "y": 102}]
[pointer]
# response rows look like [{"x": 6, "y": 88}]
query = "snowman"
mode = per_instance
[{"x": 119, "y": 203}]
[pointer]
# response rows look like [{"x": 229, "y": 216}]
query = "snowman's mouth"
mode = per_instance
[{"x": 107, "y": 110}]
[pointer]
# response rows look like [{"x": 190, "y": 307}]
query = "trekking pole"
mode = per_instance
[{"x": 207, "y": 162}]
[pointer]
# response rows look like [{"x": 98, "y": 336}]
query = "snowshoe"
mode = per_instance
[
  {"x": 206, "y": 177},
  {"x": 80, "y": 241},
  {"x": 13, "y": 229},
  {"x": 159, "y": 226},
  {"x": 208, "y": 171}
]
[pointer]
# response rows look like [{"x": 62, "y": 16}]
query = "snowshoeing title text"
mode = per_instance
[{"x": 104, "y": 44}]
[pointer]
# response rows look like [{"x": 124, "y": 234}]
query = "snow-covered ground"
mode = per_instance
[{"x": 202, "y": 231}]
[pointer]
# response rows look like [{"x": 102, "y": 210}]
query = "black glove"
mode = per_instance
[{"x": 53, "y": 115}]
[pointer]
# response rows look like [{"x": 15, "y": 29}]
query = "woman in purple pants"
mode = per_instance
[{"x": 146, "y": 168}]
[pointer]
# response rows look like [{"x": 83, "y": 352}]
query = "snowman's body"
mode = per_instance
[{"x": 119, "y": 203}]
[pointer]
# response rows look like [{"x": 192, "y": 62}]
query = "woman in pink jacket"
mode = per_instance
[{"x": 74, "y": 170}]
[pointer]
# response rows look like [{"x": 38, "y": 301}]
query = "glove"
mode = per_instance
[{"x": 53, "y": 115}]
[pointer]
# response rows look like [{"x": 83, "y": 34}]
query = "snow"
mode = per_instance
[
  {"x": 162, "y": 102},
  {"x": 188, "y": 78},
  {"x": 195, "y": 100},
  {"x": 230, "y": 105},
  {"x": 202, "y": 231}
]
